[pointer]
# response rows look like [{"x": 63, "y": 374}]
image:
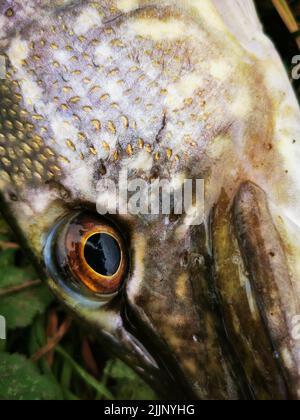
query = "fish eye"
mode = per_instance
[{"x": 90, "y": 250}]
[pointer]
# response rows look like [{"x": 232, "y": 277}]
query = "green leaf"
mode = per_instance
[
  {"x": 99, "y": 387},
  {"x": 128, "y": 384},
  {"x": 20, "y": 308},
  {"x": 7, "y": 258},
  {"x": 20, "y": 380},
  {"x": 5, "y": 231}
]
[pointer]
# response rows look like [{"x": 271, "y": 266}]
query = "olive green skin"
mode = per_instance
[{"x": 94, "y": 88}]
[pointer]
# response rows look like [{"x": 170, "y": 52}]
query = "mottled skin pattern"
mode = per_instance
[{"x": 164, "y": 90}]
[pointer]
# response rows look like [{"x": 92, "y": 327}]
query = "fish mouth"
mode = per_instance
[{"x": 164, "y": 376}]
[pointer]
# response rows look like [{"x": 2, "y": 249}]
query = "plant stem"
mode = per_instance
[{"x": 20, "y": 288}]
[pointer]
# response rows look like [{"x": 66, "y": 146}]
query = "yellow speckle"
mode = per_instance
[
  {"x": 49, "y": 152},
  {"x": 82, "y": 136},
  {"x": 127, "y": 5},
  {"x": 19, "y": 125},
  {"x": 27, "y": 149},
  {"x": 114, "y": 72},
  {"x": 39, "y": 167},
  {"x": 17, "y": 97},
  {"x": 5, "y": 162},
  {"x": 188, "y": 101},
  {"x": 117, "y": 43},
  {"x": 181, "y": 286},
  {"x": 67, "y": 89},
  {"x": 116, "y": 155},
  {"x": 95, "y": 89},
  {"x": 37, "y": 117}
]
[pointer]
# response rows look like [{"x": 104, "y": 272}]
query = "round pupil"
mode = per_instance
[{"x": 102, "y": 253}]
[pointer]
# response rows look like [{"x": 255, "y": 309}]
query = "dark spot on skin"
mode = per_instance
[
  {"x": 272, "y": 254},
  {"x": 173, "y": 218},
  {"x": 294, "y": 141},
  {"x": 9, "y": 12},
  {"x": 99, "y": 171},
  {"x": 270, "y": 146}
]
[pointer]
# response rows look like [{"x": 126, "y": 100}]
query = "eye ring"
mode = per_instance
[
  {"x": 92, "y": 276},
  {"x": 83, "y": 235}
]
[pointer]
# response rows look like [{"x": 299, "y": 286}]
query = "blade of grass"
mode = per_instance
[
  {"x": 287, "y": 16},
  {"x": 51, "y": 331},
  {"x": 86, "y": 377},
  {"x": 88, "y": 358}
]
